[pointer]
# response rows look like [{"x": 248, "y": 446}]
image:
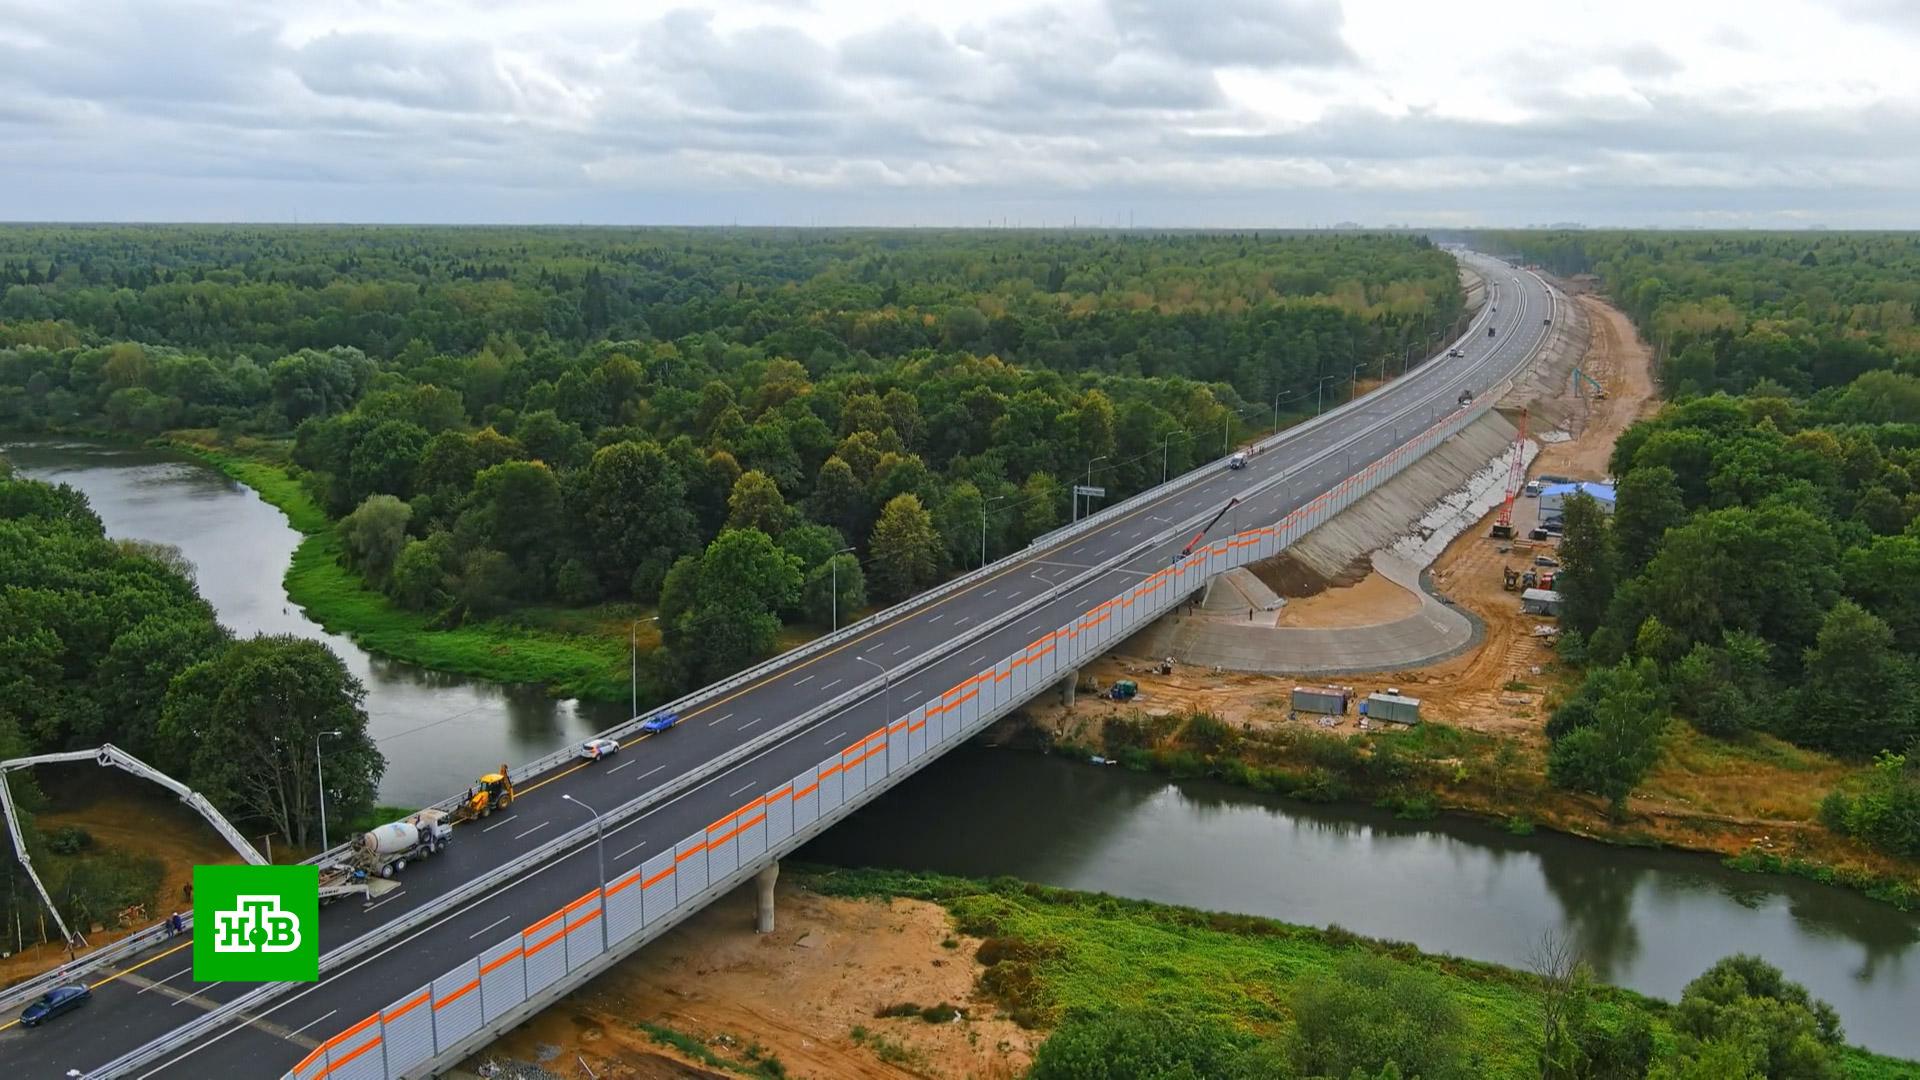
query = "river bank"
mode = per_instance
[
  {"x": 991, "y": 969},
  {"x": 573, "y": 653}
]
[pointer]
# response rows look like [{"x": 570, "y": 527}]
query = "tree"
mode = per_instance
[
  {"x": 514, "y": 509},
  {"x": 838, "y": 499},
  {"x": 374, "y": 535},
  {"x": 959, "y": 519},
  {"x": 1746, "y": 1001},
  {"x": 1616, "y": 739},
  {"x": 905, "y": 550},
  {"x": 419, "y": 578},
  {"x": 244, "y": 724},
  {"x": 1648, "y": 503},
  {"x": 717, "y": 609},
  {"x": 1856, "y": 697},
  {"x": 756, "y": 503},
  {"x": 1586, "y": 577},
  {"x": 385, "y": 460},
  {"x": 817, "y": 596},
  {"x": 1371, "y": 1012},
  {"x": 635, "y": 506},
  {"x": 1040, "y": 499}
]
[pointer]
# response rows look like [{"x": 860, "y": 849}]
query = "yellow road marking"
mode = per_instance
[{"x": 142, "y": 964}]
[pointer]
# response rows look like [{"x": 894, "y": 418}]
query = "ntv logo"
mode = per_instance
[{"x": 256, "y": 925}]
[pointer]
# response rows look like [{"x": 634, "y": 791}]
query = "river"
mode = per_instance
[
  {"x": 1645, "y": 919},
  {"x": 438, "y": 731}
]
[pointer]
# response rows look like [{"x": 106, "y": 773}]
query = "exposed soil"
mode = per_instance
[
  {"x": 1705, "y": 794},
  {"x": 122, "y": 818},
  {"x": 1370, "y": 601},
  {"x": 797, "y": 994}
]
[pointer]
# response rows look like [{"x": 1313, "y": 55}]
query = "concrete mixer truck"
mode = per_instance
[{"x": 385, "y": 851}]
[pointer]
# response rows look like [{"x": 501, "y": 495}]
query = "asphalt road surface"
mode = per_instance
[{"x": 153, "y": 994}]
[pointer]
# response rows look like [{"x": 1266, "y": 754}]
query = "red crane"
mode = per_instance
[{"x": 1503, "y": 525}]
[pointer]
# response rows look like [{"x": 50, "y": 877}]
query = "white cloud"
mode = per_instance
[{"x": 1283, "y": 112}]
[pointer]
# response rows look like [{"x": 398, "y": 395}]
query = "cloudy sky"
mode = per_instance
[{"x": 1159, "y": 112}]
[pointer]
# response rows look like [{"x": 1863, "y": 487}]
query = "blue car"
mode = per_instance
[
  {"x": 54, "y": 1002},
  {"x": 657, "y": 724}
]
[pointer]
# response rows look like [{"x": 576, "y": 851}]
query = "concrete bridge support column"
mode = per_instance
[
  {"x": 763, "y": 885},
  {"x": 1068, "y": 685}
]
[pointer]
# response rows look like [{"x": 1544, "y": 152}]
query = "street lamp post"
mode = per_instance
[
  {"x": 1353, "y": 382},
  {"x": 1076, "y": 495},
  {"x": 886, "y": 688},
  {"x": 600, "y": 856},
  {"x": 1320, "y": 393},
  {"x": 320, "y": 773},
  {"x": 983, "y": 526},
  {"x": 833, "y": 572},
  {"x": 1164, "y": 444}
]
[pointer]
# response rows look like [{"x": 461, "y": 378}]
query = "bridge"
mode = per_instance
[{"x": 596, "y": 859}]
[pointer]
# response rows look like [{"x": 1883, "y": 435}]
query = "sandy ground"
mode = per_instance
[
  {"x": 798, "y": 994},
  {"x": 1370, "y": 601},
  {"x": 132, "y": 821}
]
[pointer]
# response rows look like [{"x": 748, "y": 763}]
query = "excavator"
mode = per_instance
[{"x": 494, "y": 792}]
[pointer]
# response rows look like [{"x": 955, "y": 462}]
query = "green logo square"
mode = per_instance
[{"x": 256, "y": 923}]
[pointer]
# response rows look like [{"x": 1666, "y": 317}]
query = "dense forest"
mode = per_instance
[
  {"x": 728, "y": 424},
  {"x": 1761, "y": 569},
  {"x": 108, "y": 641}
]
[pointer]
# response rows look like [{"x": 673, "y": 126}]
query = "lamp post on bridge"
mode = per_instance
[
  {"x": 1164, "y": 444},
  {"x": 1320, "y": 393},
  {"x": 886, "y": 687},
  {"x": 600, "y": 856}
]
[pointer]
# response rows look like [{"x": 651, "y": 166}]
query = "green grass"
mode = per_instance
[
  {"x": 1054, "y": 952},
  {"x": 574, "y": 653}
]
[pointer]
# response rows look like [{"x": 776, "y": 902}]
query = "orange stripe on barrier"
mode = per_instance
[
  {"x": 510, "y": 954},
  {"x": 781, "y": 794},
  {"x": 918, "y": 726},
  {"x": 696, "y": 849},
  {"x": 441, "y": 1003},
  {"x": 308, "y": 1060},
  {"x": 826, "y": 772},
  {"x": 656, "y": 879},
  {"x": 583, "y": 920},
  {"x": 623, "y": 883},
  {"x": 592, "y": 895},
  {"x": 535, "y": 928},
  {"x": 896, "y": 727},
  {"x": 752, "y": 805},
  {"x": 743, "y": 828},
  {"x": 548, "y": 940},
  {"x": 350, "y": 1032},
  {"x": 806, "y": 791},
  {"x": 407, "y": 1007},
  {"x": 867, "y": 755},
  {"x": 357, "y": 1051}
]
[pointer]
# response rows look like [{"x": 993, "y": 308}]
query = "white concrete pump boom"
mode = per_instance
[{"x": 112, "y": 755}]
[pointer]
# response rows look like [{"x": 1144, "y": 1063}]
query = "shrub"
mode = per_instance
[
  {"x": 1371, "y": 1013},
  {"x": 69, "y": 840}
]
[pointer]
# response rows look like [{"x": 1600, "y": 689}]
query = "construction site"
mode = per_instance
[{"x": 1436, "y": 588}]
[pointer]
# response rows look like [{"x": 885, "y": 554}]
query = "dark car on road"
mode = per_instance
[{"x": 54, "y": 1002}]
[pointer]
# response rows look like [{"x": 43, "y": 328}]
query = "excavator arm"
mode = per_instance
[{"x": 112, "y": 756}]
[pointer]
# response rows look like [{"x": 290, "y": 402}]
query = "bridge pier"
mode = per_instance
[
  {"x": 1068, "y": 685},
  {"x": 763, "y": 884}
]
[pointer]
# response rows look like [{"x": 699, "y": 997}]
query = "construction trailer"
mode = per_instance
[
  {"x": 1553, "y": 497},
  {"x": 1540, "y": 602},
  {"x": 1398, "y": 708},
  {"x": 1325, "y": 700}
]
